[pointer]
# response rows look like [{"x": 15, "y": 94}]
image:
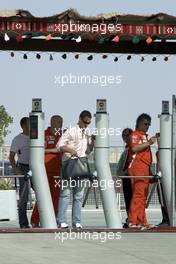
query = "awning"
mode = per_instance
[{"x": 71, "y": 32}]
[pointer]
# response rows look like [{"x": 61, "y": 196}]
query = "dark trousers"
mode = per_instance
[
  {"x": 163, "y": 208},
  {"x": 127, "y": 192},
  {"x": 23, "y": 193}
]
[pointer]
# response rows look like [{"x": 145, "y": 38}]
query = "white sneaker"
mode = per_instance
[
  {"x": 77, "y": 225},
  {"x": 63, "y": 225},
  {"x": 148, "y": 227}
]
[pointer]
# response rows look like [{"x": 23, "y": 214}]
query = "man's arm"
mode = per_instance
[
  {"x": 13, "y": 163},
  {"x": 90, "y": 146},
  {"x": 52, "y": 150},
  {"x": 63, "y": 142},
  {"x": 141, "y": 147},
  {"x": 68, "y": 150}
]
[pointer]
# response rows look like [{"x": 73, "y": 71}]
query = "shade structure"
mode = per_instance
[{"x": 71, "y": 32}]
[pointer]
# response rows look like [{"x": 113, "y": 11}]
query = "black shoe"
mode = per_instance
[
  {"x": 24, "y": 226},
  {"x": 125, "y": 225},
  {"x": 164, "y": 223}
]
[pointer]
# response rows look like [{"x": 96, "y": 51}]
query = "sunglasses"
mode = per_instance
[{"x": 147, "y": 124}]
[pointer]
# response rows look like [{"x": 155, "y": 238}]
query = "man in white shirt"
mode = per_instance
[
  {"x": 20, "y": 148},
  {"x": 73, "y": 143}
]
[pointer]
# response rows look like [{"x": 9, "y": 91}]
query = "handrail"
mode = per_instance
[{"x": 12, "y": 176}]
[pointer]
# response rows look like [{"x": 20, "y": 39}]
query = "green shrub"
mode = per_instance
[{"x": 6, "y": 184}]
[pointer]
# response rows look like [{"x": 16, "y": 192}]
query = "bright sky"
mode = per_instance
[{"x": 143, "y": 85}]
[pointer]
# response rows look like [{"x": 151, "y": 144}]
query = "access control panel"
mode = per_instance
[
  {"x": 33, "y": 127},
  {"x": 36, "y": 105},
  {"x": 101, "y": 105},
  {"x": 165, "y": 107}
]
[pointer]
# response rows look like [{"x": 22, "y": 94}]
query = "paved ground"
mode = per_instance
[
  {"x": 131, "y": 248},
  {"x": 92, "y": 217},
  {"x": 75, "y": 248}
]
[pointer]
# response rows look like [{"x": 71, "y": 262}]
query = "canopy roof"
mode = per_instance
[{"x": 96, "y": 33}]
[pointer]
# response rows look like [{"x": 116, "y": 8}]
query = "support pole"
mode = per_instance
[
  {"x": 37, "y": 166},
  {"x": 165, "y": 157},
  {"x": 174, "y": 160},
  {"x": 108, "y": 196}
]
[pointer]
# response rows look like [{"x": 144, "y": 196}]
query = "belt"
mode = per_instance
[{"x": 23, "y": 164}]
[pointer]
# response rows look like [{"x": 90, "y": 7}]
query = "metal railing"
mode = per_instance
[{"x": 114, "y": 155}]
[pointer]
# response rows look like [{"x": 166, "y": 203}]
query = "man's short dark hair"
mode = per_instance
[
  {"x": 85, "y": 113},
  {"x": 24, "y": 121},
  {"x": 142, "y": 117},
  {"x": 126, "y": 131}
]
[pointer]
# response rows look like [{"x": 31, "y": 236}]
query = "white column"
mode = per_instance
[
  {"x": 108, "y": 196},
  {"x": 165, "y": 160},
  {"x": 37, "y": 166},
  {"x": 173, "y": 160}
]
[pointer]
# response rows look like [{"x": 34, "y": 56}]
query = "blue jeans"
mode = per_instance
[{"x": 77, "y": 193}]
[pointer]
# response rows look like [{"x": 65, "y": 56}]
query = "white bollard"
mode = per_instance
[
  {"x": 173, "y": 160},
  {"x": 108, "y": 196},
  {"x": 165, "y": 156},
  {"x": 37, "y": 166}
]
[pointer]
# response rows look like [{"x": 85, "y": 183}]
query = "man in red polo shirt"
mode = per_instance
[
  {"x": 52, "y": 163},
  {"x": 141, "y": 160}
]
